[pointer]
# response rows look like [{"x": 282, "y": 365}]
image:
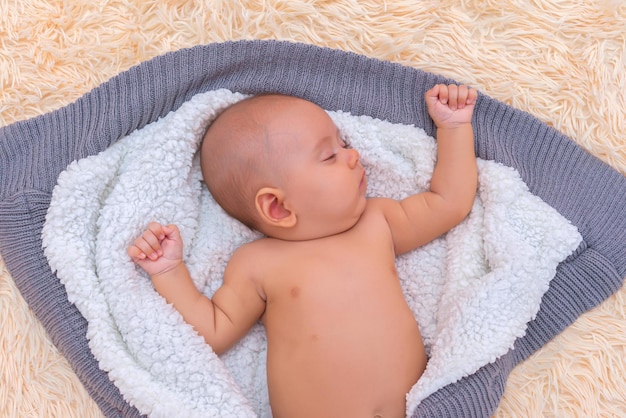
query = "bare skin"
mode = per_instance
[{"x": 341, "y": 339}]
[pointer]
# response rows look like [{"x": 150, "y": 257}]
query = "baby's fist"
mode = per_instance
[
  {"x": 451, "y": 105},
  {"x": 158, "y": 249}
]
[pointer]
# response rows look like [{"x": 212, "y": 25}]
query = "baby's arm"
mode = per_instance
[
  {"x": 420, "y": 218},
  {"x": 222, "y": 320}
]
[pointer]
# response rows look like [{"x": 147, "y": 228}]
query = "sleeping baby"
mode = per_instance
[{"x": 342, "y": 341}]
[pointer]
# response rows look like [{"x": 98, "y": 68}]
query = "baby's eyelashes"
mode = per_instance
[
  {"x": 334, "y": 153},
  {"x": 343, "y": 140},
  {"x": 330, "y": 157},
  {"x": 331, "y": 153}
]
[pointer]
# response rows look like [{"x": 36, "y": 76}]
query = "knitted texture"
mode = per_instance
[{"x": 33, "y": 152}]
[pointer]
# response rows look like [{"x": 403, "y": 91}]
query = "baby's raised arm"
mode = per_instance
[
  {"x": 423, "y": 217},
  {"x": 222, "y": 320}
]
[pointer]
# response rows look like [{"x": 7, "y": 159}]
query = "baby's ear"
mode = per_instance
[{"x": 270, "y": 205}]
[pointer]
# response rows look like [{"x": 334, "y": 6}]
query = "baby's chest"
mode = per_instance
[
  {"x": 344, "y": 274},
  {"x": 324, "y": 296}
]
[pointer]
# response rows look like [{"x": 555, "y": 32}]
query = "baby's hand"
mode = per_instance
[
  {"x": 451, "y": 105},
  {"x": 158, "y": 250}
]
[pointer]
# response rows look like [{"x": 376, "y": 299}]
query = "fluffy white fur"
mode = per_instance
[{"x": 472, "y": 291}]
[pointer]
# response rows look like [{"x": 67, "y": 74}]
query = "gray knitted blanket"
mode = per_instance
[{"x": 581, "y": 188}]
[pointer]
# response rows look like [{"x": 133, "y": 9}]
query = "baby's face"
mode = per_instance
[{"x": 324, "y": 181}]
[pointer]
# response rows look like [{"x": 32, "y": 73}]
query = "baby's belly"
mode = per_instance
[{"x": 355, "y": 360}]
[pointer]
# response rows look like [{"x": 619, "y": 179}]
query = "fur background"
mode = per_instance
[{"x": 564, "y": 62}]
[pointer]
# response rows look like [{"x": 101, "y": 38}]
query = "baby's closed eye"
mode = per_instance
[
  {"x": 331, "y": 152},
  {"x": 343, "y": 140}
]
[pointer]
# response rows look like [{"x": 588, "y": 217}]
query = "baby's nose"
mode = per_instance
[{"x": 353, "y": 157}]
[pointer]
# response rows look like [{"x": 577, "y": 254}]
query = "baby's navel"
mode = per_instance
[{"x": 295, "y": 292}]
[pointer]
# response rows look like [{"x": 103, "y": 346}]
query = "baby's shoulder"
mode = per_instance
[
  {"x": 249, "y": 260},
  {"x": 378, "y": 206},
  {"x": 380, "y": 212},
  {"x": 258, "y": 259},
  {"x": 254, "y": 251}
]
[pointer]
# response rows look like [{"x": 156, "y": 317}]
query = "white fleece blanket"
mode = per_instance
[{"x": 472, "y": 291}]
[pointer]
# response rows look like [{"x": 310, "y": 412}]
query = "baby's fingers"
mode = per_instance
[
  {"x": 465, "y": 96},
  {"x": 433, "y": 93},
  {"x": 472, "y": 95},
  {"x": 157, "y": 229},
  {"x": 461, "y": 96},
  {"x": 135, "y": 253},
  {"x": 148, "y": 245},
  {"x": 454, "y": 101}
]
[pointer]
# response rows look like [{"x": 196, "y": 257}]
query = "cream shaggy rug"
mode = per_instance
[{"x": 565, "y": 64}]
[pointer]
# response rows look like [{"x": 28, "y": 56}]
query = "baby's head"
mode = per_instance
[
  {"x": 279, "y": 165},
  {"x": 237, "y": 157}
]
